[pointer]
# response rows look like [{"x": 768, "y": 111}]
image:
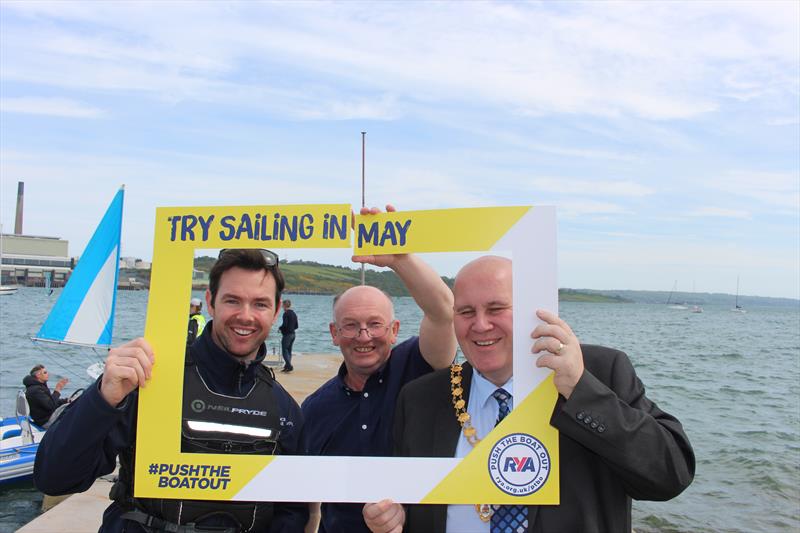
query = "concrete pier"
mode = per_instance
[{"x": 83, "y": 513}]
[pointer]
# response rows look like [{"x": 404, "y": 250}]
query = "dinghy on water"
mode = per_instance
[
  {"x": 20, "y": 439},
  {"x": 83, "y": 315}
]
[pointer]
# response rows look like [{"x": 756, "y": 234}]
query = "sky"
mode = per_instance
[{"x": 667, "y": 134}]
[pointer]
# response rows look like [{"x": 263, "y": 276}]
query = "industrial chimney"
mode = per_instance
[{"x": 20, "y": 198}]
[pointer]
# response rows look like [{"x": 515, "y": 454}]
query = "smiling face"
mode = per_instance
[
  {"x": 363, "y": 307},
  {"x": 483, "y": 318},
  {"x": 243, "y": 311}
]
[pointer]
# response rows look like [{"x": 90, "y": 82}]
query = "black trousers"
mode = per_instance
[{"x": 287, "y": 340}]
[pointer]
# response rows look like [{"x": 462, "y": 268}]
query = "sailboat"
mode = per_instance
[
  {"x": 669, "y": 299},
  {"x": 83, "y": 315},
  {"x": 738, "y": 308}
]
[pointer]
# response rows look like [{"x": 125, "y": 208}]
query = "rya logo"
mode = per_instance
[{"x": 519, "y": 464}]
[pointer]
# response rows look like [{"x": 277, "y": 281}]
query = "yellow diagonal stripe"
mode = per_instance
[
  {"x": 470, "y": 481},
  {"x": 440, "y": 230}
]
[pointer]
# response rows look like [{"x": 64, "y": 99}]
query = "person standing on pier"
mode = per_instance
[
  {"x": 196, "y": 321},
  {"x": 288, "y": 326}
]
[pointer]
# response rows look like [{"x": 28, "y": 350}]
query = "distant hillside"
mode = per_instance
[
  {"x": 694, "y": 298},
  {"x": 309, "y": 277}
]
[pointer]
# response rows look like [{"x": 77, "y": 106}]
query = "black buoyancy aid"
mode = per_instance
[{"x": 214, "y": 423}]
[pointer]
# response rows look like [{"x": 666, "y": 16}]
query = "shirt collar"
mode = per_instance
[
  {"x": 482, "y": 389},
  {"x": 378, "y": 375}
]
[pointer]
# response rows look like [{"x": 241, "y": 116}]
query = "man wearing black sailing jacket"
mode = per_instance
[{"x": 243, "y": 300}]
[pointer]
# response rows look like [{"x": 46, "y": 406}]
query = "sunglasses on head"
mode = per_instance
[{"x": 270, "y": 257}]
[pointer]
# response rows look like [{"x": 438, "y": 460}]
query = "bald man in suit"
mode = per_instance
[{"x": 615, "y": 444}]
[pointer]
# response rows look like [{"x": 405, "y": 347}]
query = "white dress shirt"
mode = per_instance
[{"x": 483, "y": 410}]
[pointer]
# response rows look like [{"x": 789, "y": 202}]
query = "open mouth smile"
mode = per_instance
[{"x": 488, "y": 342}]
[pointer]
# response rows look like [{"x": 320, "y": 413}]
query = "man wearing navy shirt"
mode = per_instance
[
  {"x": 223, "y": 366},
  {"x": 352, "y": 414}
]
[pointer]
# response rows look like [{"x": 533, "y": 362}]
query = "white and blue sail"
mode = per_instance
[{"x": 84, "y": 312}]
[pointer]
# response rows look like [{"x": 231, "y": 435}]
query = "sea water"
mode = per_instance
[{"x": 732, "y": 379}]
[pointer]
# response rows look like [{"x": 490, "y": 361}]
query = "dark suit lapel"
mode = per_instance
[
  {"x": 446, "y": 436},
  {"x": 447, "y": 427}
]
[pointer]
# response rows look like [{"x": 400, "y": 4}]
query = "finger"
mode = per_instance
[
  {"x": 372, "y": 510},
  {"x": 363, "y": 258},
  {"x": 553, "y": 362},
  {"x": 390, "y": 208},
  {"x": 552, "y": 318},
  {"x": 143, "y": 360},
  {"x": 548, "y": 345},
  {"x": 547, "y": 330},
  {"x": 123, "y": 364},
  {"x": 120, "y": 373},
  {"x": 364, "y": 210}
]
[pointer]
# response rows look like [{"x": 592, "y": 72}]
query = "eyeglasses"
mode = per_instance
[
  {"x": 270, "y": 257},
  {"x": 374, "y": 331}
]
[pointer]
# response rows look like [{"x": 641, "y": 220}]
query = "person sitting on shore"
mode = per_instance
[{"x": 43, "y": 403}]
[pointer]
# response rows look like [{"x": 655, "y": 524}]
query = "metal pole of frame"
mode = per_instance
[{"x": 363, "y": 188}]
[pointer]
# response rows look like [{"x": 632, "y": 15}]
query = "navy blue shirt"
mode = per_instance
[
  {"x": 84, "y": 442},
  {"x": 343, "y": 422}
]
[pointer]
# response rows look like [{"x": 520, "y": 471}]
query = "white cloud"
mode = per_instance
[
  {"x": 597, "y": 187},
  {"x": 55, "y": 107},
  {"x": 655, "y": 60},
  {"x": 720, "y": 212}
]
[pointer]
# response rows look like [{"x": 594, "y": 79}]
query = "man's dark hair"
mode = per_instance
[
  {"x": 247, "y": 259},
  {"x": 35, "y": 369}
]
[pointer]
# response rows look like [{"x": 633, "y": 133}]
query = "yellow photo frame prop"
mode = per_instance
[{"x": 516, "y": 463}]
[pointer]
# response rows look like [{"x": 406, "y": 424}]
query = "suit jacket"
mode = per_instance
[{"x": 615, "y": 445}]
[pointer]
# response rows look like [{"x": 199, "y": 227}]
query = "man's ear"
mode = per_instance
[
  {"x": 209, "y": 305},
  {"x": 334, "y": 333}
]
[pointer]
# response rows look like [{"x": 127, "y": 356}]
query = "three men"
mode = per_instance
[
  {"x": 223, "y": 366},
  {"x": 615, "y": 444},
  {"x": 288, "y": 326},
  {"x": 41, "y": 401},
  {"x": 352, "y": 413}
]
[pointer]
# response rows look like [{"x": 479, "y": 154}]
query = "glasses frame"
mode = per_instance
[
  {"x": 269, "y": 256},
  {"x": 386, "y": 329}
]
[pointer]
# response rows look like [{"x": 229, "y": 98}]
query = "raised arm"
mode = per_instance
[{"x": 437, "y": 340}]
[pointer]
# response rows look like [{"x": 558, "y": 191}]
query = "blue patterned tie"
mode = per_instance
[{"x": 507, "y": 518}]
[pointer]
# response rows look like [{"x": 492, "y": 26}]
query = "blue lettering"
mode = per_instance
[
  {"x": 227, "y": 223},
  {"x": 205, "y": 224},
  {"x": 403, "y": 230},
  {"x": 370, "y": 236},
  {"x": 306, "y": 231},
  {"x": 245, "y": 226}
]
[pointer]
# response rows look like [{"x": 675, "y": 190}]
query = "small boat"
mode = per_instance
[
  {"x": 18, "y": 445},
  {"x": 738, "y": 308},
  {"x": 696, "y": 309},
  {"x": 83, "y": 315},
  {"x": 670, "y": 303}
]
